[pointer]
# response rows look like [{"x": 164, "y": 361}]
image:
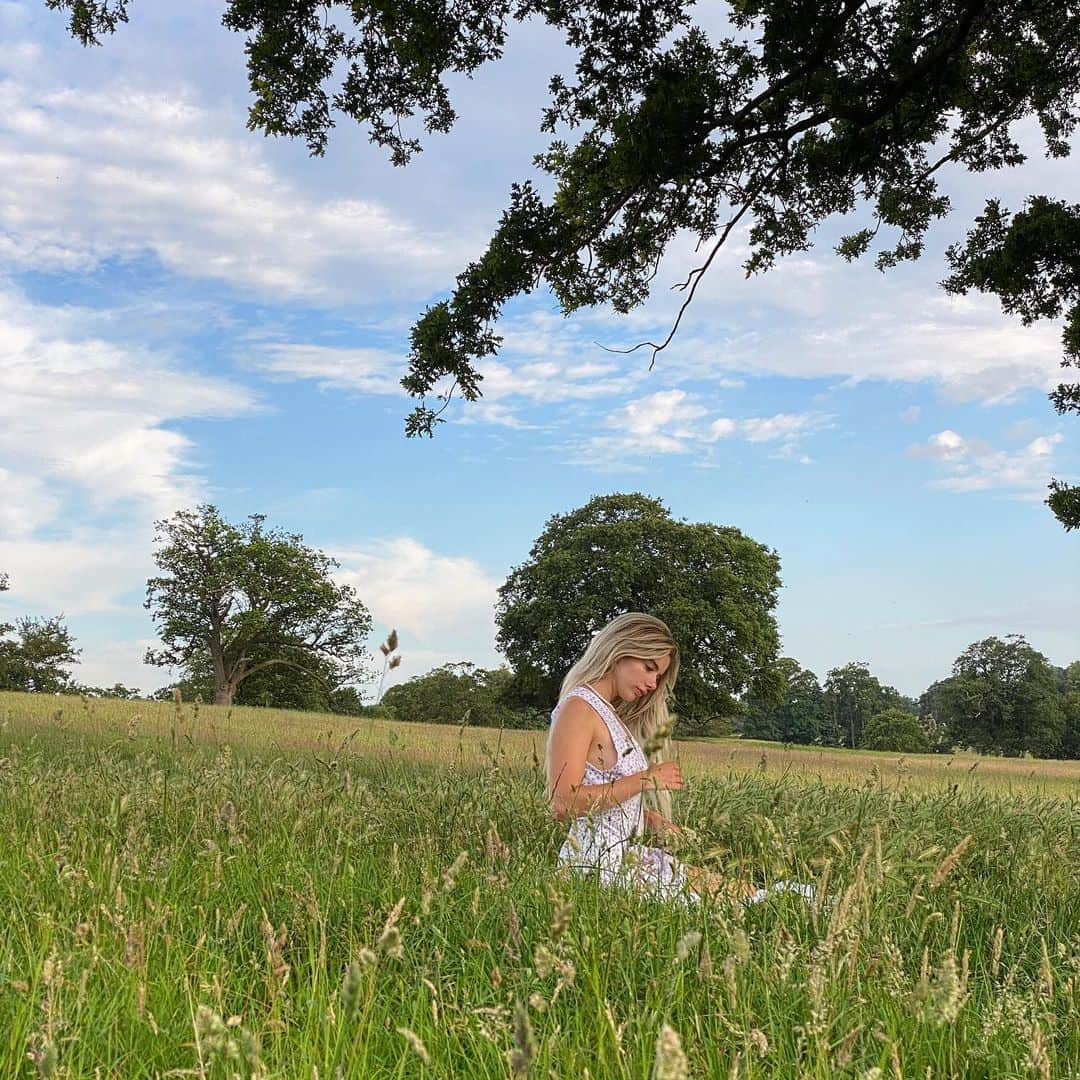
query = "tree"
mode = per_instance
[
  {"x": 797, "y": 113},
  {"x": 931, "y": 712},
  {"x": 117, "y": 690},
  {"x": 895, "y": 729},
  {"x": 36, "y": 661},
  {"x": 1003, "y": 698},
  {"x": 249, "y": 599},
  {"x": 459, "y": 693},
  {"x": 714, "y": 587},
  {"x": 1070, "y": 708},
  {"x": 5, "y": 628},
  {"x": 853, "y": 696},
  {"x": 801, "y": 713}
]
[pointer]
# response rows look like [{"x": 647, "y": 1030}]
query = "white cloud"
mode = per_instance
[
  {"x": 368, "y": 371},
  {"x": 27, "y": 504},
  {"x": 98, "y": 174},
  {"x": 89, "y": 571},
  {"x": 782, "y": 426},
  {"x": 945, "y": 445},
  {"x": 540, "y": 366},
  {"x": 83, "y": 414},
  {"x": 443, "y": 606},
  {"x": 105, "y": 663},
  {"x": 674, "y": 422},
  {"x": 974, "y": 465}
]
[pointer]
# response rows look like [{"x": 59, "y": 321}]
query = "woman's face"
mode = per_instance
[{"x": 635, "y": 677}]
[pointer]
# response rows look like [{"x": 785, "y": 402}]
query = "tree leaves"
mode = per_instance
[
  {"x": 250, "y": 598},
  {"x": 714, "y": 587}
]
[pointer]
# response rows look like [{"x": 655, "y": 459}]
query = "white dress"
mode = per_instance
[{"x": 603, "y": 841}]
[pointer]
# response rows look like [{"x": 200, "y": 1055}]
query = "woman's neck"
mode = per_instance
[{"x": 605, "y": 687}]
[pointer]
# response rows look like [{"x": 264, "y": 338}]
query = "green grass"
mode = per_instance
[
  {"x": 325, "y": 735},
  {"x": 163, "y": 879}
]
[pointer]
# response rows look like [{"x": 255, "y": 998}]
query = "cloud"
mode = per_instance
[
  {"x": 782, "y": 426},
  {"x": 675, "y": 422},
  {"x": 1051, "y": 618},
  {"x": 365, "y": 370},
  {"x": 89, "y": 571},
  {"x": 540, "y": 363},
  {"x": 27, "y": 505},
  {"x": 441, "y": 605},
  {"x": 92, "y": 175},
  {"x": 974, "y": 465},
  {"x": 105, "y": 663},
  {"x": 83, "y": 414}
]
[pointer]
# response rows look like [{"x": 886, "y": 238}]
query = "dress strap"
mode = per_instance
[{"x": 621, "y": 737}]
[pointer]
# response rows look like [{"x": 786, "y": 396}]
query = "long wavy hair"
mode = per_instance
[{"x": 645, "y": 637}]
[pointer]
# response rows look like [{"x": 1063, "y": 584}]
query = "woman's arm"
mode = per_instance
[{"x": 568, "y": 750}]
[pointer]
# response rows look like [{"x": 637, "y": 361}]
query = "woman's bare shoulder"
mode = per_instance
[{"x": 576, "y": 712}]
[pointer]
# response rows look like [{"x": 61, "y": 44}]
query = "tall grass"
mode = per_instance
[
  {"x": 320, "y": 734},
  {"x": 181, "y": 905}
]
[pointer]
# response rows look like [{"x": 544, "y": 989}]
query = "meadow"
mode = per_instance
[{"x": 217, "y": 893}]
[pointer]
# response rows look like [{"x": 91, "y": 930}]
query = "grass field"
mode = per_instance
[
  {"x": 320, "y": 735},
  {"x": 250, "y": 893}
]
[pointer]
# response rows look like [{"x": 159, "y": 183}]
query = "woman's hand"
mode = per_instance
[
  {"x": 659, "y": 826},
  {"x": 665, "y": 775}
]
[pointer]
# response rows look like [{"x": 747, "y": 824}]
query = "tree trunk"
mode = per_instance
[{"x": 223, "y": 695}]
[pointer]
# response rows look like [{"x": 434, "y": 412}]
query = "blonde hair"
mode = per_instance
[{"x": 644, "y": 637}]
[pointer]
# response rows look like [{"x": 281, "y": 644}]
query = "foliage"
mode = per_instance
[
  {"x": 460, "y": 693},
  {"x": 1070, "y": 735},
  {"x": 931, "y": 718},
  {"x": 895, "y": 729},
  {"x": 1032, "y": 262},
  {"x": 38, "y": 657},
  {"x": 309, "y": 684},
  {"x": 250, "y": 895},
  {"x": 800, "y": 714},
  {"x": 117, "y": 690},
  {"x": 714, "y": 586},
  {"x": 1003, "y": 698},
  {"x": 249, "y": 599},
  {"x": 853, "y": 696}
]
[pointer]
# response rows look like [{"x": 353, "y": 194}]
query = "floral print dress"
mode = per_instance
[{"x": 603, "y": 841}]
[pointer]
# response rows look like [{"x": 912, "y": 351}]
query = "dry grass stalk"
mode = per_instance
[{"x": 946, "y": 866}]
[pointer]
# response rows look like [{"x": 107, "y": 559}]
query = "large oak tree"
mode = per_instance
[
  {"x": 799, "y": 111},
  {"x": 714, "y": 586},
  {"x": 249, "y": 598},
  {"x": 1002, "y": 698}
]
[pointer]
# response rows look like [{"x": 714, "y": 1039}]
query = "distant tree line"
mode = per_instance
[
  {"x": 251, "y": 615},
  {"x": 1003, "y": 697}
]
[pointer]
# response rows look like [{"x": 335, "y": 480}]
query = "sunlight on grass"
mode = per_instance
[{"x": 247, "y": 893}]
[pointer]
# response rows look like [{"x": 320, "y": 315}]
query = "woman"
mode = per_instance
[{"x": 613, "y": 702}]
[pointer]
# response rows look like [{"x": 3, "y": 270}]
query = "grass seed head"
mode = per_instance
[
  {"x": 758, "y": 1040},
  {"x": 946, "y": 866},
  {"x": 687, "y": 945},
  {"x": 670, "y": 1062},
  {"x": 351, "y": 985},
  {"x": 416, "y": 1043},
  {"x": 524, "y": 1051},
  {"x": 452, "y": 871}
]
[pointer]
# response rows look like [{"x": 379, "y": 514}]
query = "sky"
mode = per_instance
[{"x": 191, "y": 312}]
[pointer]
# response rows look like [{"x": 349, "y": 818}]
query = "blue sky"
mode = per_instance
[{"x": 189, "y": 311}]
